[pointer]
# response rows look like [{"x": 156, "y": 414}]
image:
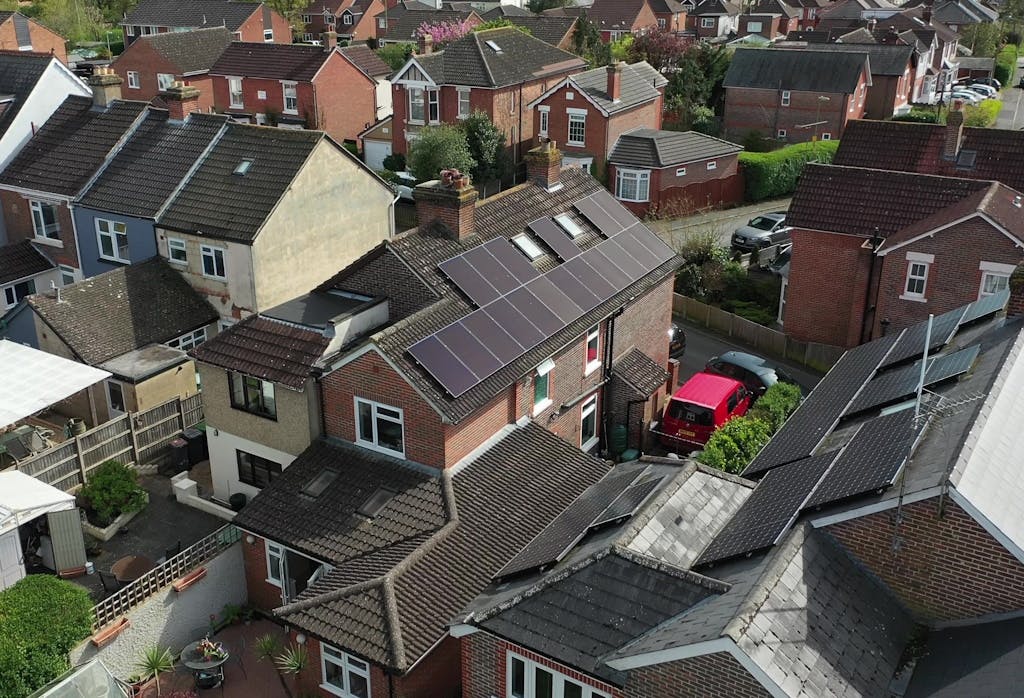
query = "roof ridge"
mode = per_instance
[
  {"x": 684, "y": 574},
  {"x": 483, "y": 56}
]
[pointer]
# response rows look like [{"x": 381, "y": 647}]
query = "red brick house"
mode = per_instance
[
  {"x": 21, "y": 33},
  {"x": 247, "y": 21},
  {"x": 557, "y": 31},
  {"x": 674, "y": 172},
  {"x": 154, "y": 63},
  {"x": 617, "y": 18},
  {"x": 586, "y": 113},
  {"x": 671, "y": 15},
  {"x": 498, "y": 71},
  {"x": 352, "y": 21},
  {"x": 793, "y": 96},
  {"x": 400, "y": 24},
  {"x": 402, "y": 493},
  {"x": 714, "y": 19},
  {"x": 771, "y": 19}
]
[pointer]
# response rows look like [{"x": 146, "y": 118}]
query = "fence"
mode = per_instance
[
  {"x": 700, "y": 196},
  {"x": 764, "y": 339},
  {"x": 133, "y": 439},
  {"x": 189, "y": 559}
]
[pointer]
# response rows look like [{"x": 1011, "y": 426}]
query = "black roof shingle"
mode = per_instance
[
  {"x": 193, "y": 51},
  {"x": 192, "y": 13},
  {"x": 299, "y": 62},
  {"x": 657, "y": 149},
  {"x": 22, "y": 260},
  {"x": 20, "y": 72},
  {"x": 785, "y": 69}
]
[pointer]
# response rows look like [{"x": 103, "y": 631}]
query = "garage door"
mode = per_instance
[
  {"x": 11, "y": 567},
  {"x": 374, "y": 153}
]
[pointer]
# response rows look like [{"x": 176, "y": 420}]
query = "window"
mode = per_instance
[
  {"x": 680, "y": 172},
  {"x": 568, "y": 225},
  {"x": 291, "y": 98},
  {"x": 382, "y": 22},
  {"x": 593, "y": 358},
  {"x": 588, "y": 424},
  {"x": 416, "y": 111},
  {"x": 67, "y": 275},
  {"x": 113, "y": 239},
  {"x": 268, "y": 35},
  {"x": 44, "y": 220},
  {"x": 343, "y": 674},
  {"x": 146, "y": 31},
  {"x": 826, "y": 136},
  {"x": 164, "y": 81},
  {"x": 632, "y": 185},
  {"x": 133, "y": 80},
  {"x": 307, "y": 19},
  {"x": 707, "y": 22},
  {"x": 275, "y": 563},
  {"x": 712, "y": 165},
  {"x": 464, "y": 107},
  {"x": 189, "y": 340},
  {"x": 129, "y": 30},
  {"x": 235, "y": 90},
  {"x": 754, "y": 27},
  {"x": 329, "y": 19},
  {"x": 661, "y": 22},
  {"x": 577, "y": 128},
  {"x": 785, "y": 98},
  {"x": 994, "y": 278},
  {"x": 15, "y": 292},
  {"x": 528, "y": 679},
  {"x": 250, "y": 394},
  {"x": 256, "y": 470},
  {"x": 542, "y": 387},
  {"x": 176, "y": 251},
  {"x": 346, "y": 19},
  {"x": 307, "y": 37},
  {"x": 782, "y": 299},
  {"x": 544, "y": 114},
  {"x": 380, "y": 427},
  {"x": 528, "y": 246},
  {"x": 213, "y": 262},
  {"x": 115, "y": 397},
  {"x": 433, "y": 103},
  {"x": 917, "y": 279},
  {"x": 781, "y": 134}
]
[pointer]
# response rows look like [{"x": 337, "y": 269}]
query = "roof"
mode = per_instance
[
  {"x": 447, "y": 533},
  {"x": 21, "y": 260},
  {"x": 615, "y": 14},
  {"x": 31, "y": 380},
  {"x": 507, "y": 11},
  {"x": 193, "y": 51},
  {"x": 404, "y": 20},
  {"x": 298, "y": 62},
  {"x": 806, "y": 71},
  {"x": 150, "y": 166},
  {"x": 774, "y": 7},
  {"x": 656, "y": 149},
  {"x": 716, "y": 7},
  {"x": 706, "y": 389},
  {"x": 473, "y": 60},
  {"x": 976, "y": 63},
  {"x": 192, "y": 13},
  {"x": 20, "y": 72},
  {"x": 220, "y": 204},
  {"x": 885, "y": 59},
  {"x": 71, "y": 146},
  {"x": 552, "y": 30},
  {"x": 362, "y": 57},
  {"x": 639, "y": 84},
  {"x": 640, "y": 372},
  {"x": 123, "y": 310}
]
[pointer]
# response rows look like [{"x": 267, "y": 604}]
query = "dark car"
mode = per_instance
[
  {"x": 752, "y": 371},
  {"x": 761, "y": 231},
  {"x": 676, "y": 341}
]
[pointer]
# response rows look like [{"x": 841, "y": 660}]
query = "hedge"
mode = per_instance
[
  {"x": 982, "y": 115},
  {"x": 774, "y": 175},
  {"x": 734, "y": 445},
  {"x": 1006, "y": 63}
]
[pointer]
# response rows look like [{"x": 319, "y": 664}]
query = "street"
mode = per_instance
[
  {"x": 1012, "y": 114},
  {"x": 722, "y": 223}
]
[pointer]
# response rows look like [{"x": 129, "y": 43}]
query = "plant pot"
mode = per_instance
[{"x": 238, "y": 500}]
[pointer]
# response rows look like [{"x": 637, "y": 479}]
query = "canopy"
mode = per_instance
[
  {"x": 23, "y": 498},
  {"x": 92, "y": 680},
  {"x": 32, "y": 380}
]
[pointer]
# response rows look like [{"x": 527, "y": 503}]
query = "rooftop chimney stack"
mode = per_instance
[
  {"x": 106, "y": 86},
  {"x": 954, "y": 129},
  {"x": 330, "y": 40},
  {"x": 181, "y": 100},
  {"x": 450, "y": 201},
  {"x": 872, "y": 23},
  {"x": 926, "y": 12},
  {"x": 615, "y": 81},
  {"x": 544, "y": 166},
  {"x": 426, "y": 45},
  {"x": 1015, "y": 307}
]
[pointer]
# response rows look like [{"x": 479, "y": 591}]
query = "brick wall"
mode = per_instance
[
  {"x": 666, "y": 185},
  {"x": 438, "y": 675},
  {"x": 252, "y": 28},
  {"x": 18, "y": 220},
  {"x": 262, "y": 594},
  {"x": 140, "y": 57},
  {"x": 43, "y": 40},
  {"x": 272, "y": 99},
  {"x": 749, "y": 109},
  {"x": 706, "y": 676},
  {"x": 346, "y": 101},
  {"x": 946, "y": 567},
  {"x": 307, "y": 683}
]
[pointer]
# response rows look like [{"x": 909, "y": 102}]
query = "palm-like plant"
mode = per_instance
[
  {"x": 293, "y": 659},
  {"x": 153, "y": 662}
]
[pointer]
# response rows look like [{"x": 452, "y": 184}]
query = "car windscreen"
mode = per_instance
[
  {"x": 762, "y": 223},
  {"x": 688, "y": 412}
]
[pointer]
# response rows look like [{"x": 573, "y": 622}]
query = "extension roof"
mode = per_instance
[
  {"x": 193, "y": 14},
  {"x": 552, "y": 30},
  {"x": 123, "y": 310},
  {"x": 444, "y": 533},
  {"x": 20, "y": 72},
  {"x": 193, "y": 51},
  {"x": 803, "y": 71},
  {"x": 640, "y": 84},
  {"x": 298, "y": 62},
  {"x": 71, "y": 146},
  {"x": 885, "y": 59},
  {"x": 656, "y": 149},
  {"x": 366, "y": 60},
  {"x": 640, "y": 372},
  {"x": 21, "y": 260}
]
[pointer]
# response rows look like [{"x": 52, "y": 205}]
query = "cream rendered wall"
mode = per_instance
[
  {"x": 224, "y": 462},
  {"x": 334, "y": 212},
  {"x": 234, "y": 298},
  {"x": 179, "y": 381}
]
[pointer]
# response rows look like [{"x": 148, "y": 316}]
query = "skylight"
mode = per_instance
[
  {"x": 372, "y": 506},
  {"x": 493, "y": 46},
  {"x": 243, "y": 168},
  {"x": 528, "y": 246},
  {"x": 316, "y": 486},
  {"x": 569, "y": 225}
]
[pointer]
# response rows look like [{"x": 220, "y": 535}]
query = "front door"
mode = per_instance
[{"x": 11, "y": 566}]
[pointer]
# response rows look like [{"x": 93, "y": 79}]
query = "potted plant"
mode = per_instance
[
  {"x": 211, "y": 651},
  {"x": 153, "y": 662}
]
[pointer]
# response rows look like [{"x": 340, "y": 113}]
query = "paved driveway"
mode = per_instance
[{"x": 721, "y": 223}]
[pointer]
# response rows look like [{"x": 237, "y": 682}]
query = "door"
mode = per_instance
[
  {"x": 11, "y": 566},
  {"x": 66, "y": 535},
  {"x": 115, "y": 399}
]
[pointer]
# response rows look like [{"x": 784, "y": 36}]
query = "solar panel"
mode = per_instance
[
  {"x": 557, "y": 301},
  {"x": 526, "y": 334},
  {"x": 470, "y": 350},
  {"x": 590, "y": 278},
  {"x": 443, "y": 365},
  {"x": 769, "y": 510},
  {"x": 533, "y": 309},
  {"x": 513, "y": 260},
  {"x": 945, "y": 367},
  {"x": 912, "y": 343},
  {"x": 640, "y": 240},
  {"x": 491, "y": 335},
  {"x": 988, "y": 305},
  {"x": 482, "y": 259},
  {"x": 902, "y": 382},
  {"x": 626, "y": 504},
  {"x": 613, "y": 207},
  {"x": 620, "y": 255},
  {"x": 607, "y": 269},
  {"x": 598, "y": 217},
  {"x": 555, "y": 238},
  {"x": 468, "y": 279},
  {"x": 574, "y": 289}
]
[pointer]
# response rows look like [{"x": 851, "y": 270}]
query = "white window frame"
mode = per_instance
[
  {"x": 232, "y": 93},
  {"x": 640, "y": 178},
  {"x": 917, "y": 259},
  {"x": 133, "y": 80},
  {"x": 545, "y": 119},
  {"x": 593, "y": 337},
  {"x": 661, "y": 23},
  {"x": 66, "y": 273},
  {"x": 826, "y": 136},
  {"x": 268, "y": 36},
  {"x": 433, "y": 106},
  {"x": 114, "y": 411},
  {"x": 349, "y": 665},
  {"x": 417, "y": 95},
  {"x": 148, "y": 30},
  {"x": 782, "y": 299},
  {"x": 382, "y": 23},
  {"x": 209, "y": 251},
  {"x": 528, "y": 247},
  {"x": 177, "y": 245},
  {"x": 112, "y": 233},
  {"x": 579, "y": 118},
  {"x": 780, "y": 134},
  {"x": 589, "y": 407},
  {"x": 307, "y": 19},
  {"x": 786, "y": 98},
  {"x": 993, "y": 270},
  {"x": 465, "y": 109},
  {"x": 751, "y": 25},
  {"x": 129, "y": 30},
  {"x": 712, "y": 165},
  {"x": 543, "y": 373},
  {"x": 274, "y": 550},
  {"x": 680, "y": 172},
  {"x": 376, "y": 415},
  {"x": 346, "y": 19},
  {"x": 559, "y": 679},
  {"x": 307, "y": 37},
  {"x": 707, "y": 22},
  {"x": 11, "y": 295},
  {"x": 164, "y": 81},
  {"x": 50, "y": 233},
  {"x": 566, "y": 223},
  {"x": 189, "y": 340},
  {"x": 285, "y": 86}
]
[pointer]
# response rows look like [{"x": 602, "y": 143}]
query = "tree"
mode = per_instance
[
  {"x": 500, "y": 23},
  {"x": 982, "y": 38},
  {"x": 395, "y": 55},
  {"x": 587, "y": 43},
  {"x": 487, "y": 148},
  {"x": 777, "y": 403},
  {"x": 734, "y": 444},
  {"x": 662, "y": 49},
  {"x": 538, "y": 6},
  {"x": 696, "y": 81},
  {"x": 439, "y": 148},
  {"x": 74, "y": 20},
  {"x": 444, "y": 32},
  {"x": 619, "y": 49}
]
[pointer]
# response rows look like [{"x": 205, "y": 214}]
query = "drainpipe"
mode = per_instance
[
  {"x": 609, "y": 345},
  {"x": 865, "y": 326}
]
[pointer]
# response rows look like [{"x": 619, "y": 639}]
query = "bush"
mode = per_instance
[
  {"x": 749, "y": 310},
  {"x": 113, "y": 490},
  {"x": 774, "y": 175},
  {"x": 919, "y": 115},
  {"x": 1006, "y": 63},
  {"x": 982, "y": 115},
  {"x": 735, "y": 444},
  {"x": 439, "y": 148},
  {"x": 395, "y": 55},
  {"x": 395, "y": 162},
  {"x": 777, "y": 403},
  {"x": 41, "y": 619}
]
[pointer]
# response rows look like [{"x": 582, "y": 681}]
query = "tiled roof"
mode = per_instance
[
  {"x": 317, "y": 7},
  {"x": 885, "y": 59},
  {"x": 786, "y": 69},
  {"x": 21, "y": 260},
  {"x": 615, "y": 14},
  {"x": 267, "y": 349},
  {"x": 656, "y": 149},
  {"x": 640, "y": 371},
  {"x": 639, "y": 85},
  {"x": 73, "y": 143},
  {"x": 193, "y": 51},
  {"x": 152, "y": 164},
  {"x": 192, "y": 13},
  {"x": 298, "y": 62},
  {"x": 507, "y": 11},
  {"x": 448, "y": 535},
  {"x": 774, "y": 7},
  {"x": 552, "y": 30},
  {"x": 404, "y": 21},
  {"x": 20, "y": 71},
  {"x": 362, "y": 57},
  {"x": 716, "y": 7},
  {"x": 123, "y": 310},
  {"x": 218, "y": 203},
  {"x": 667, "y": 7}
]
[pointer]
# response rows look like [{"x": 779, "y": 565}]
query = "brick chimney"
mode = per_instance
[
  {"x": 106, "y": 86},
  {"x": 426, "y": 45},
  {"x": 615, "y": 81},
  {"x": 544, "y": 166},
  {"x": 954, "y": 129},
  {"x": 1015, "y": 307},
  {"x": 181, "y": 100},
  {"x": 450, "y": 200},
  {"x": 329, "y": 39}
]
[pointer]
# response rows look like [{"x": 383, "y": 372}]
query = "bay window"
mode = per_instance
[{"x": 632, "y": 185}]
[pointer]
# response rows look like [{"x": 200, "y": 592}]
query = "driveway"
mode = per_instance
[{"x": 721, "y": 223}]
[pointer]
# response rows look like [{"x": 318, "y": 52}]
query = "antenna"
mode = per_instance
[{"x": 924, "y": 368}]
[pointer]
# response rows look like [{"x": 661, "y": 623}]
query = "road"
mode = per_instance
[
  {"x": 1012, "y": 114},
  {"x": 722, "y": 223}
]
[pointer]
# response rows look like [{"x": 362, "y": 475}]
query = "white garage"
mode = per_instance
[{"x": 376, "y": 144}]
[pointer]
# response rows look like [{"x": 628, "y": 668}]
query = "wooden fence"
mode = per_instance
[
  {"x": 134, "y": 439},
  {"x": 191, "y": 558}
]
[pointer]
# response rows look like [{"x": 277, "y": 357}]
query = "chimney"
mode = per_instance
[
  {"x": 926, "y": 12},
  {"x": 451, "y": 201},
  {"x": 426, "y": 45},
  {"x": 181, "y": 100},
  {"x": 544, "y": 165},
  {"x": 330, "y": 40},
  {"x": 106, "y": 86},
  {"x": 872, "y": 23},
  {"x": 954, "y": 130},
  {"x": 615, "y": 81},
  {"x": 1015, "y": 307}
]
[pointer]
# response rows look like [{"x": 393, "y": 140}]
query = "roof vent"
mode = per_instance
[
  {"x": 316, "y": 486},
  {"x": 372, "y": 506},
  {"x": 493, "y": 46},
  {"x": 242, "y": 168},
  {"x": 1016, "y": 201}
]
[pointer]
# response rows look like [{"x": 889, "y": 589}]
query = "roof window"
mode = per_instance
[
  {"x": 528, "y": 246},
  {"x": 242, "y": 168},
  {"x": 316, "y": 486},
  {"x": 372, "y": 506},
  {"x": 493, "y": 46},
  {"x": 569, "y": 225}
]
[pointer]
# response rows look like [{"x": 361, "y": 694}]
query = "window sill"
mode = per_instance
[
  {"x": 414, "y": 122},
  {"x": 578, "y": 144},
  {"x": 291, "y": 113},
  {"x": 916, "y": 299},
  {"x": 334, "y": 690},
  {"x": 112, "y": 260},
  {"x": 633, "y": 201},
  {"x": 541, "y": 406},
  {"x": 273, "y": 582},
  {"x": 255, "y": 414},
  {"x": 591, "y": 367},
  {"x": 379, "y": 449},
  {"x": 178, "y": 262},
  {"x": 589, "y": 445},
  {"x": 222, "y": 279},
  {"x": 48, "y": 241}
]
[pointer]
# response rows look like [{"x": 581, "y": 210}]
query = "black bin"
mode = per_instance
[
  {"x": 177, "y": 459},
  {"x": 197, "y": 448}
]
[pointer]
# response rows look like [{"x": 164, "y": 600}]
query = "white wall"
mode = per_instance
[
  {"x": 383, "y": 99},
  {"x": 374, "y": 153},
  {"x": 224, "y": 462}
]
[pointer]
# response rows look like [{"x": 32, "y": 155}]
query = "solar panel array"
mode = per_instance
[
  {"x": 555, "y": 237},
  {"x": 519, "y": 308},
  {"x": 988, "y": 305},
  {"x": 912, "y": 343},
  {"x": 628, "y": 502}
]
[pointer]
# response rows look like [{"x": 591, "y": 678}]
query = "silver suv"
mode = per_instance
[{"x": 761, "y": 231}]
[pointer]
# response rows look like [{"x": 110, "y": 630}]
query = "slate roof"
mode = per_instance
[
  {"x": 774, "y": 7},
  {"x": 667, "y": 7},
  {"x": 656, "y": 149},
  {"x": 986, "y": 659},
  {"x": 552, "y": 30},
  {"x": 362, "y": 57},
  {"x": 639, "y": 85},
  {"x": 298, "y": 62},
  {"x": 443, "y": 533},
  {"x": 151, "y": 165},
  {"x": 610, "y": 15},
  {"x": 192, "y": 13},
  {"x": 508, "y": 11},
  {"x": 885, "y": 59},
  {"x": 20, "y": 260},
  {"x": 716, "y": 7},
  {"x": 217, "y": 203},
  {"x": 73, "y": 143},
  {"x": 123, "y": 310},
  {"x": 20, "y": 72},
  {"x": 403, "y": 21},
  {"x": 192, "y": 51},
  {"x": 640, "y": 371},
  {"x": 804, "y": 71}
]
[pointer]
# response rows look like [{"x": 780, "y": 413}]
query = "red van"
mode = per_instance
[{"x": 701, "y": 405}]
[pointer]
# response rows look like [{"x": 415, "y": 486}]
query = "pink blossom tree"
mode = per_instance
[{"x": 444, "y": 32}]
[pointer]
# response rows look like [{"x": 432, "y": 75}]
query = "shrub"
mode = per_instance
[
  {"x": 1006, "y": 63},
  {"x": 919, "y": 115},
  {"x": 774, "y": 175},
  {"x": 982, "y": 115},
  {"x": 748, "y": 310},
  {"x": 395, "y": 55},
  {"x": 777, "y": 403},
  {"x": 439, "y": 148},
  {"x": 41, "y": 619},
  {"x": 735, "y": 444},
  {"x": 395, "y": 162},
  {"x": 113, "y": 490}
]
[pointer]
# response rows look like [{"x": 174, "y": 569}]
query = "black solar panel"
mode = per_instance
[
  {"x": 944, "y": 367},
  {"x": 599, "y": 218},
  {"x": 613, "y": 207},
  {"x": 628, "y": 502},
  {"x": 470, "y": 350},
  {"x": 555, "y": 238},
  {"x": 590, "y": 278},
  {"x": 769, "y": 510},
  {"x": 443, "y": 365},
  {"x": 512, "y": 259},
  {"x": 514, "y": 323},
  {"x": 573, "y": 288},
  {"x": 532, "y": 308},
  {"x": 484, "y": 260},
  {"x": 555, "y": 299},
  {"x": 622, "y": 256},
  {"x": 497, "y": 340},
  {"x": 989, "y": 305},
  {"x": 819, "y": 413},
  {"x": 637, "y": 240},
  {"x": 468, "y": 279},
  {"x": 609, "y": 270},
  {"x": 911, "y": 344}
]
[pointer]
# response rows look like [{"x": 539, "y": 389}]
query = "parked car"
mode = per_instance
[
  {"x": 676, "y": 341},
  {"x": 985, "y": 91},
  {"x": 967, "y": 96},
  {"x": 406, "y": 185},
  {"x": 700, "y": 406},
  {"x": 755, "y": 373},
  {"x": 761, "y": 231},
  {"x": 991, "y": 82}
]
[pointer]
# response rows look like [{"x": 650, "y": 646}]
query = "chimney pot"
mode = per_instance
[
  {"x": 181, "y": 100},
  {"x": 106, "y": 86},
  {"x": 426, "y": 44}
]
